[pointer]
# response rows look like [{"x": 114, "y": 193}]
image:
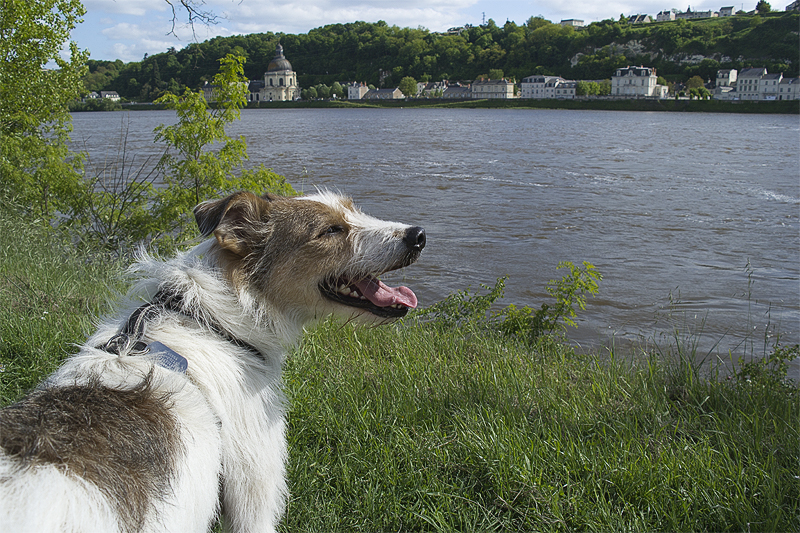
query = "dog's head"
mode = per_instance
[{"x": 312, "y": 255}]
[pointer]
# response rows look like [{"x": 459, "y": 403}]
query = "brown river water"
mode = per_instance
[{"x": 692, "y": 219}]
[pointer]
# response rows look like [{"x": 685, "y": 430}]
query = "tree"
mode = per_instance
[
  {"x": 763, "y": 6},
  {"x": 192, "y": 171},
  {"x": 38, "y": 171},
  {"x": 695, "y": 82},
  {"x": 408, "y": 86}
]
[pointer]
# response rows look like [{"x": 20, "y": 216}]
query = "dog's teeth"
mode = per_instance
[
  {"x": 344, "y": 289},
  {"x": 355, "y": 294}
]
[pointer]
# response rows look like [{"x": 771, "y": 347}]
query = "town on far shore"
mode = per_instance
[{"x": 753, "y": 84}]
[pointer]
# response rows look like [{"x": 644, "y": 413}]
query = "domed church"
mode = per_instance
[{"x": 280, "y": 81}]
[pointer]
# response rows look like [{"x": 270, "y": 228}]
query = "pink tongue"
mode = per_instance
[{"x": 383, "y": 296}]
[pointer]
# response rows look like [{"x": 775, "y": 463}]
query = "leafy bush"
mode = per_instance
[
  {"x": 525, "y": 324},
  {"x": 769, "y": 371},
  {"x": 125, "y": 207}
]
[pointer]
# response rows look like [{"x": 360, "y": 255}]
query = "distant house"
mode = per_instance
[
  {"x": 431, "y": 88},
  {"x": 111, "y": 95},
  {"x": 356, "y": 90},
  {"x": 689, "y": 14},
  {"x": 665, "y": 16},
  {"x": 794, "y": 6},
  {"x": 747, "y": 84},
  {"x": 575, "y": 23},
  {"x": 547, "y": 87},
  {"x": 726, "y": 11},
  {"x": 637, "y": 82},
  {"x": 755, "y": 84},
  {"x": 457, "y": 91},
  {"x": 768, "y": 86},
  {"x": 383, "y": 94},
  {"x": 639, "y": 19},
  {"x": 492, "y": 89},
  {"x": 726, "y": 78},
  {"x": 789, "y": 89}
]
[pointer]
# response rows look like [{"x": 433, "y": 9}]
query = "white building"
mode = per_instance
[
  {"x": 575, "y": 23},
  {"x": 431, "y": 88},
  {"x": 755, "y": 84},
  {"x": 492, "y": 89},
  {"x": 789, "y": 89},
  {"x": 639, "y": 19},
  {"x": 726, "y": 11},
  {"x": 457, "y": 91},
  {"x": 637, "y": 82},
  {"x": 280, "y": 81},
  {"x": 768, "y": 86},
  {"x": 356, "y": 91},
  {"x": 748, "y": 82},
  {"x": 278, "y": 84},
  {"x": 665, "y": 16},
  {"x": 547, "y": 87},
  {"x": 726, "y": 78},
  {"x": 111, "y": 95},
  {"x": 384, "y": 94},
  {"x": 689, "y": 14}
]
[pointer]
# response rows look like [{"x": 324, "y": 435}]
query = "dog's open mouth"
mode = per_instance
[{"x": 371, "y": 294}]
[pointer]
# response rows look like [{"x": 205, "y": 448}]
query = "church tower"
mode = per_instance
[{"x": 280, "y": 81}]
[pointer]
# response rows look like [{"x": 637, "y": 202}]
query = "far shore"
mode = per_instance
[{"x": 697, "y": 106}]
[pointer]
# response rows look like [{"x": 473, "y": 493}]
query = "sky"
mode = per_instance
[{"x": 129, "y": 29}]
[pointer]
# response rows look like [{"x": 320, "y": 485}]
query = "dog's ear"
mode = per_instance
[{"x": 231, "y": 218}]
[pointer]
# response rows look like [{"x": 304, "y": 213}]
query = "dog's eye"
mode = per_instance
[{"x": 332, "y": 230}]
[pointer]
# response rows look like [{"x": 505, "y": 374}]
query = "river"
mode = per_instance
[{"x": 692, "y": 219}]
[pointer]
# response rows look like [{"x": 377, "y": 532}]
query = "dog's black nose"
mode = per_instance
[{"x": 415, "y": 238}]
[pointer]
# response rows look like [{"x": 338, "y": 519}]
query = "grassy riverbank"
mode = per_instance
[{"x": 421, "y": 425}]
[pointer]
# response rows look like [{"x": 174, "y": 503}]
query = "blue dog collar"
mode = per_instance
[{"x": 167, "y": 357}]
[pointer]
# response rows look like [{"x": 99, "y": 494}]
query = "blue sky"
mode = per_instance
[{"x": 128, "y": 29}]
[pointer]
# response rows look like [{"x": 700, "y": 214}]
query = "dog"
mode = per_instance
[{"x": 172, "y": 415}]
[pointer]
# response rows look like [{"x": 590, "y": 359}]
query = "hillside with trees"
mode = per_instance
[{"x": 383, "y": 55}]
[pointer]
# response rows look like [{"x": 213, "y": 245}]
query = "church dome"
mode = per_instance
[{"x": 279, "y": 62}]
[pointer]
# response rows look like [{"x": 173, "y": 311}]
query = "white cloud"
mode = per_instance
[{"x": 137, "y": 8}]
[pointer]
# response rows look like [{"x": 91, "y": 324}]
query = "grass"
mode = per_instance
[
  {"x": 429, "y": 426},
  {"x": 50, "y": 296}
]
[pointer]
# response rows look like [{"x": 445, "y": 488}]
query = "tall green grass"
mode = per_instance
[
  {"x": 416, "y": 427},
  {"x": 435, "y": 425},
  {"x": 50, "y": 297}
]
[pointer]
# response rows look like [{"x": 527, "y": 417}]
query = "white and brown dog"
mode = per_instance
[{"x": 172, "y": 414}]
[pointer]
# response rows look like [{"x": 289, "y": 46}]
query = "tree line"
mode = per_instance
[{"x": 382, "y": 55}]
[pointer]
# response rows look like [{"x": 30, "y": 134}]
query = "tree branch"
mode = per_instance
[{"x": 195, "y": 13}]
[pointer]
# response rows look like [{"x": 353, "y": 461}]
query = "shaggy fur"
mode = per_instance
[{"x": 117, "y": 442}]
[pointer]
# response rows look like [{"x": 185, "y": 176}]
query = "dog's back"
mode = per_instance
[{"x": 175, "y": 410}]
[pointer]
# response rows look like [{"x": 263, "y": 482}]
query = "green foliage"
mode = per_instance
[
  {"x": 526, "y": 324},
  {"x": 569, "y": 292},
  {"x": 695, "y": 82},
  {"x": 123, "y": 206},
  {"x": 50, "y": 295},
  {"x": 701, "y": 93},
  {"x": 593, "y": 88},
  {"x": 367, "y": 51},
  {"x": 192, "y": 171},
  {"x": 763, "y": 6},
  {"x": 37, "y": 170},
  {"x": 418, "y": 428},
  {"x": 95, "y": 104},
  {"x": 408, "y": 86},
  {"x": 769, "y": 371}
]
